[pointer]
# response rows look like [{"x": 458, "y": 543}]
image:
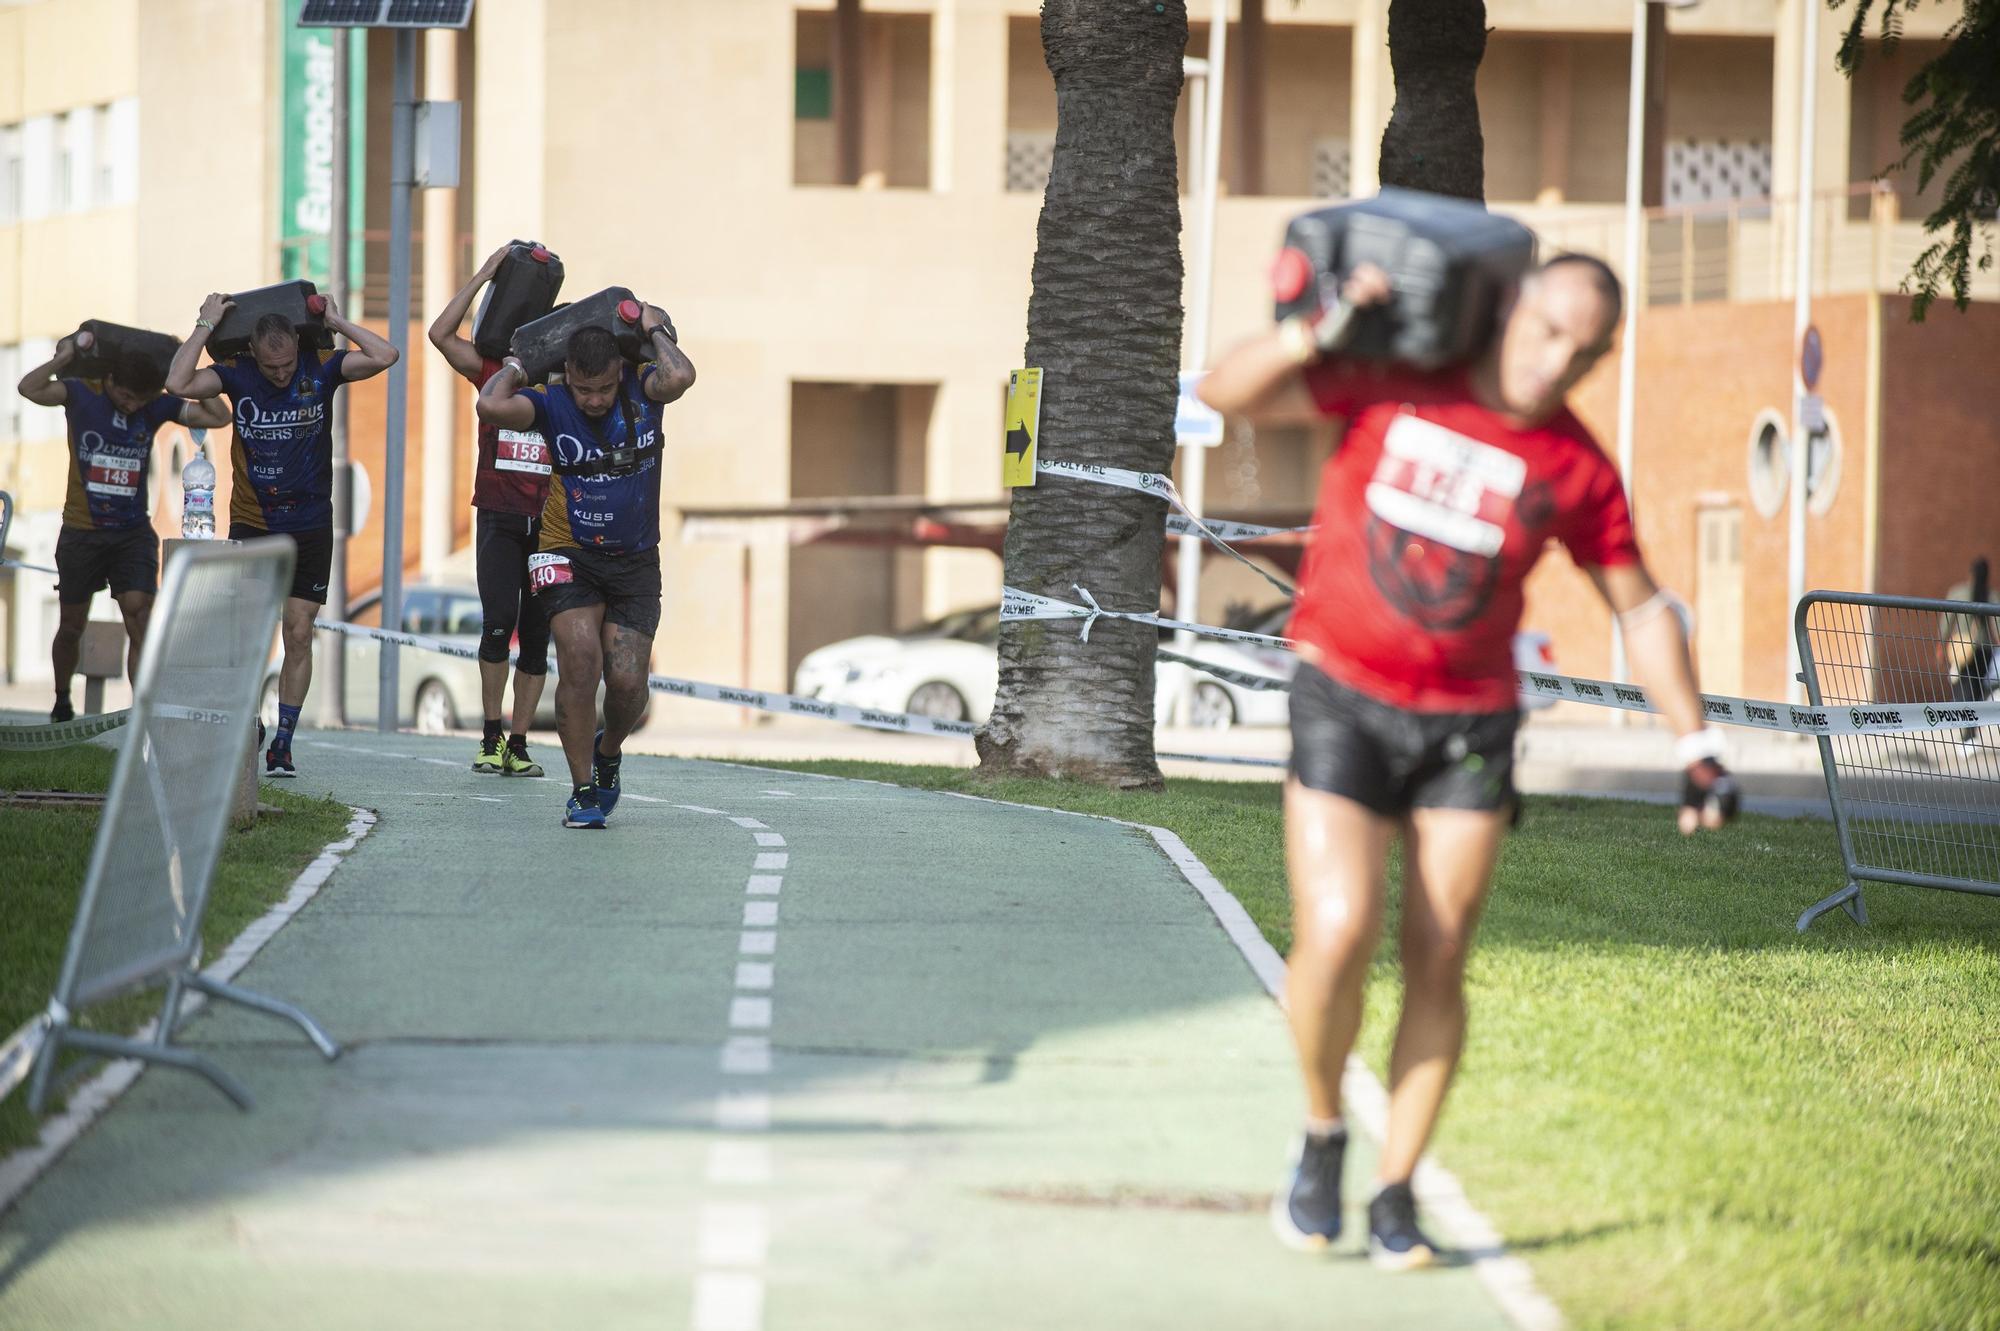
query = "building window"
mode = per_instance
[
  {"x": 861, "y": 107},
  {"x": 1031, "y": 154},
  {"x": 10, "y": 401},
  {"x": 38, "y": 172},
  {"x": 1711, "y": 170},
  {"x": 1770, "y": 462},
  {"x": 118, "y": 152},
  {"x": 33, "y": 424},
  {"x": 1332, "y": 169},
  {"x": 76, "y": 170},
  {"x": 10, "y": 175}
]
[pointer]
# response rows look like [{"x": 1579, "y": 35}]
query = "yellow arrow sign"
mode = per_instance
[{"x": 1024, "y": 424}]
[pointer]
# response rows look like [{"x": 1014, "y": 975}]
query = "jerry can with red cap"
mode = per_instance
[
  {"x": 1450, "y": 265},
  {"x": 542, "y": 344},
  {"x": 298, "y": 302},
  {"x": 523, "y": 289},
  {"x": 111, "y": 343}
]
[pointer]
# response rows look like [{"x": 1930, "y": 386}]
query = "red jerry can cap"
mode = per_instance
[
  {"x": 1290, "y": 274},
  {"x": 539, "y": 254},
  {"x": 315, "y": 304},
  {"x": 629, "y": 311}
]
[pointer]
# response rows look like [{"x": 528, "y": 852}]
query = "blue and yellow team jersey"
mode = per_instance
[
  {"x": 604, "y": 494},
  {"x": 281, "y": 448},
  {"x": 110, "y": 457}
]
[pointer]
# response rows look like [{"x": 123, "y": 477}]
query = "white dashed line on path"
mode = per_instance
[{"x": 732, "y": 1235}]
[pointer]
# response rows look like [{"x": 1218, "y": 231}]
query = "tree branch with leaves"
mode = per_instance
[{"x": 1953, "y": 132}]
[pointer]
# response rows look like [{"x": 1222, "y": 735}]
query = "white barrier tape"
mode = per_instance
[
  {"x": 1146, "y": 482},
  {"x": 1154, "y": 483},
  {"x": 763, "y": 700},
  {"x": 20, "y": 563},
  {"x": 59, "y": 735},
  {"x": 1755, "y": 713},
  {"x": 791, "y": 704},
  {"x": 17, "y": 1056},
  {"x": 1870, "y": 719},
  {"x": 1016, "y": 604},
  {"x": 1229, "y": 531},
  {"x": 1231, "y": 761},
  {"x": 1242, "y": 679}
]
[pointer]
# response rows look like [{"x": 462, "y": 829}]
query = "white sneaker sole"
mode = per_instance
[
  {"x": 1289, "y": 1234},
  {"x": 1416, "y": 1259}
]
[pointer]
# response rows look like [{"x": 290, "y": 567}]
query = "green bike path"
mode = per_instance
[{"x": 772, "y": 1051}]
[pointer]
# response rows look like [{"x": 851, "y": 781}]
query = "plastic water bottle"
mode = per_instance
[{"x": 198, "y": 493}]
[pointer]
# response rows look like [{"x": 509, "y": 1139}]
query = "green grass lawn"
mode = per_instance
[
  {"x": 1681, "y": 1112},
  {"x": 45, "y": 852}
]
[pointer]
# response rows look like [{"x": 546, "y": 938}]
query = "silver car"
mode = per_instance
[{"x": 437, "y": 693}]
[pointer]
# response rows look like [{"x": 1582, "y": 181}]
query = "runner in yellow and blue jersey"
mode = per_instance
[
  {"x": 597, "y": 573},
  {"x": 107, "y": 537},
  {"x": 281, "y": 460}
]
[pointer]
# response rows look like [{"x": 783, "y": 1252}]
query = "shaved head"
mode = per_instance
[{"x": 1560, "y": 325}]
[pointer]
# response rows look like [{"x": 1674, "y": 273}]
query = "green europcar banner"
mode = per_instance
[{"x": 305, "y": 201}]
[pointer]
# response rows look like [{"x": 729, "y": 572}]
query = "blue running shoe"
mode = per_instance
[
  {"x": 604, "y": 776},
  {"x": 1394, "y": 1241},
  {"x": 1305, "y": 1212},
  {"x": 583, "y": 810}
]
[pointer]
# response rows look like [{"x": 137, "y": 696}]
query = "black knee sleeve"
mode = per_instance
[{"x": 493, "y": 640}]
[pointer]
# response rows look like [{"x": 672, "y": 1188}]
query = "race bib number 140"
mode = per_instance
[{"x": 546, "y": 570}]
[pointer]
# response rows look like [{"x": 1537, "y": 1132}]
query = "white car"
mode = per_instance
[{"x": 950, "y": 669}]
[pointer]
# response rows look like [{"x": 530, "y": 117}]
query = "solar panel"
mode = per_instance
[
  {"x": 385, "y": 14},
  {"x": 428, "y": 13},
  {"x": 341, "y": 13}
]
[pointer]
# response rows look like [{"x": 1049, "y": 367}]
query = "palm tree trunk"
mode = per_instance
[
  {"x": 1104, "y": 324},
  {"x": 1433, "y": 140}
]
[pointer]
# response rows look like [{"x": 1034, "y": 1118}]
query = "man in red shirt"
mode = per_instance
[
  {"x": 508, "y": 491},
  {"x": 1431, "y": 513}
]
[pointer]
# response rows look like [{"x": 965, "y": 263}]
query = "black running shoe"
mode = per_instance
[
  {"x": 1305, "y": 1211},
  {"x": 1394, "y": 1241},
  {"x": 62, "y": 711},
  {"x": 278, "y": 762}
]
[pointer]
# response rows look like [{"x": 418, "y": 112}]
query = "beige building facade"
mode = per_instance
[{"x": 848, "y": 257}]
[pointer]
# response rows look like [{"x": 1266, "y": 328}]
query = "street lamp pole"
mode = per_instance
[{"x": 1205, "y": 134}]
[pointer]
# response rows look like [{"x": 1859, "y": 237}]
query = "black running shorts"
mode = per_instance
[
  {"x": 1390, "y": 760},
  {"x": 88, "y": 561},
  {"x": 315, "y": 563},
  {"x": 627, "y": 586}
]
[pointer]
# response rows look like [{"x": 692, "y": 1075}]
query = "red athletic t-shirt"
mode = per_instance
[
  {"x": 1431, "y": 513},
  {"x": 513, "y": 473}
]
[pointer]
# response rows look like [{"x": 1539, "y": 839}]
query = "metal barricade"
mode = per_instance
[
  {"x": 1921, "y": 807},
  {"x": 192, "y": 723}
]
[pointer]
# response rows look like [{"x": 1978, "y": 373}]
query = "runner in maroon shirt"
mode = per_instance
[
  {"x": 508, "y": 491},
  {"x": 1437, "y": 504}
]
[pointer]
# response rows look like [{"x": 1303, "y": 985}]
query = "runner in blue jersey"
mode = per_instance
[
  {"x": 597, "y": 573},
  {"x": 107, "y": 537},
  {"x": 281, "y": 473}
]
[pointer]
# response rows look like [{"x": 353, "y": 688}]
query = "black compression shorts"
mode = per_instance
[{"x": 1390, "y": 760}]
